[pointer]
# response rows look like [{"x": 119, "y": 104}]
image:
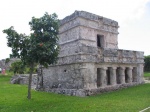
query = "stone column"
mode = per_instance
[
  {"x": 134, "y": 74},
  {"x": 142, "y": 73},
  {"x": 103, "y": 77},
  {"x": 113, "y": 76},
  {"x": 129, "y": 74},
  {"x": 122, "y": 75}
]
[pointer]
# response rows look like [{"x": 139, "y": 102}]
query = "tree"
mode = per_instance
[
  {"x": 40, "y": 47},
  {"x": 7, "y": 60},
  {"x": 147, "y": 63},
  {"x": 17, "y": 67}
]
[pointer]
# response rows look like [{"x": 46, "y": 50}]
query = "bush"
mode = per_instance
[
  {"x": 19, "y": 68},
  {"x": 147, "y": 63}
]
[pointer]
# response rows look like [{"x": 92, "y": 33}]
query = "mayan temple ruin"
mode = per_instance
[{"x": 89, "y": 59}]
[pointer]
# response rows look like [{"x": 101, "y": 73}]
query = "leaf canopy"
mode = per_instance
[{"x": 41, "y": 46}]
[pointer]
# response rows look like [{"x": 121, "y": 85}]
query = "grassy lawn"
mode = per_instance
[
  {"x": 13, "y": 99},
  {"x": 147, "y": 74}
]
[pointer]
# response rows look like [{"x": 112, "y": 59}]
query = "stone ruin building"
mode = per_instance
[{"x": 89, "y": 59}]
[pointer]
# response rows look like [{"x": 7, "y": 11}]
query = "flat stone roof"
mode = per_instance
[{"x": 89, "y": 16}]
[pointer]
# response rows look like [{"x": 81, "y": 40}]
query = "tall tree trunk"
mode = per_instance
[{"x": 30, "y": 81}]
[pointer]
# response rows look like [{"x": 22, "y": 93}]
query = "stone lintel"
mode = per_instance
[
  {"x": 104, "y": 68},
  {"x": 130, "y": 68},
  {"x": 122, "y": 68},
  {"x": 114, "y": 68}
]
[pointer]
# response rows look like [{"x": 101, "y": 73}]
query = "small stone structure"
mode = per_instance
[
  {"x": 24, "y": 79},
  {"x": 89, "y": 59}
]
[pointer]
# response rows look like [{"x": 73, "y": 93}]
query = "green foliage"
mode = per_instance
[
  {"x": 45, "y": 39},
  {"x": 147, "y": 63},
  {"x": 9, "y": 73},
  {"x": 41, "y": 46},
  {"x": 147, "y": 74},
  {"x": 18, "y": 42},
  {"x": 19, "y": 68},
  {"x": 7, "y": 60},
  {"x": 13, "y": 99}
]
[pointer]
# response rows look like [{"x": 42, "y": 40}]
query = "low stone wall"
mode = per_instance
[
  {"x": 89, "y": 92},
  {"x": 24, "y": 79}
]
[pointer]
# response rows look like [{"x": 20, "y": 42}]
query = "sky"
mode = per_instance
[{"x": 133, "y": 17}]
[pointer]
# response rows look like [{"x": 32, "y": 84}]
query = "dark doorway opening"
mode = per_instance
[
  {"x": 126, "y": 75},
  {"x": 108, "y": 76},
  {"x": 100, "y": 40},
  {"x": 98, "y": 77},
  {"x": 118, "y": 75}
]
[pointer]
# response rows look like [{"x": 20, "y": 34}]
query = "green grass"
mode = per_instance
[
  {"x": 147, "y": 74},
  {"x": 13, "y": 99}
]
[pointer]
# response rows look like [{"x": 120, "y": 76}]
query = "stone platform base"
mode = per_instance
[
  {"x": 89, "y": 92},
  {"x": 24, "y": 79}
]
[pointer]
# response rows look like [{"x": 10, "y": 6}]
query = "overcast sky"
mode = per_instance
[{"x": 133, "y": 17}]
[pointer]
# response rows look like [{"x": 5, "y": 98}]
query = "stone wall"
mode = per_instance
[
  {"x": 63, "y": 76},
  {"x": 84, "y": 53},
  {"x": 123, "y": 56}
]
